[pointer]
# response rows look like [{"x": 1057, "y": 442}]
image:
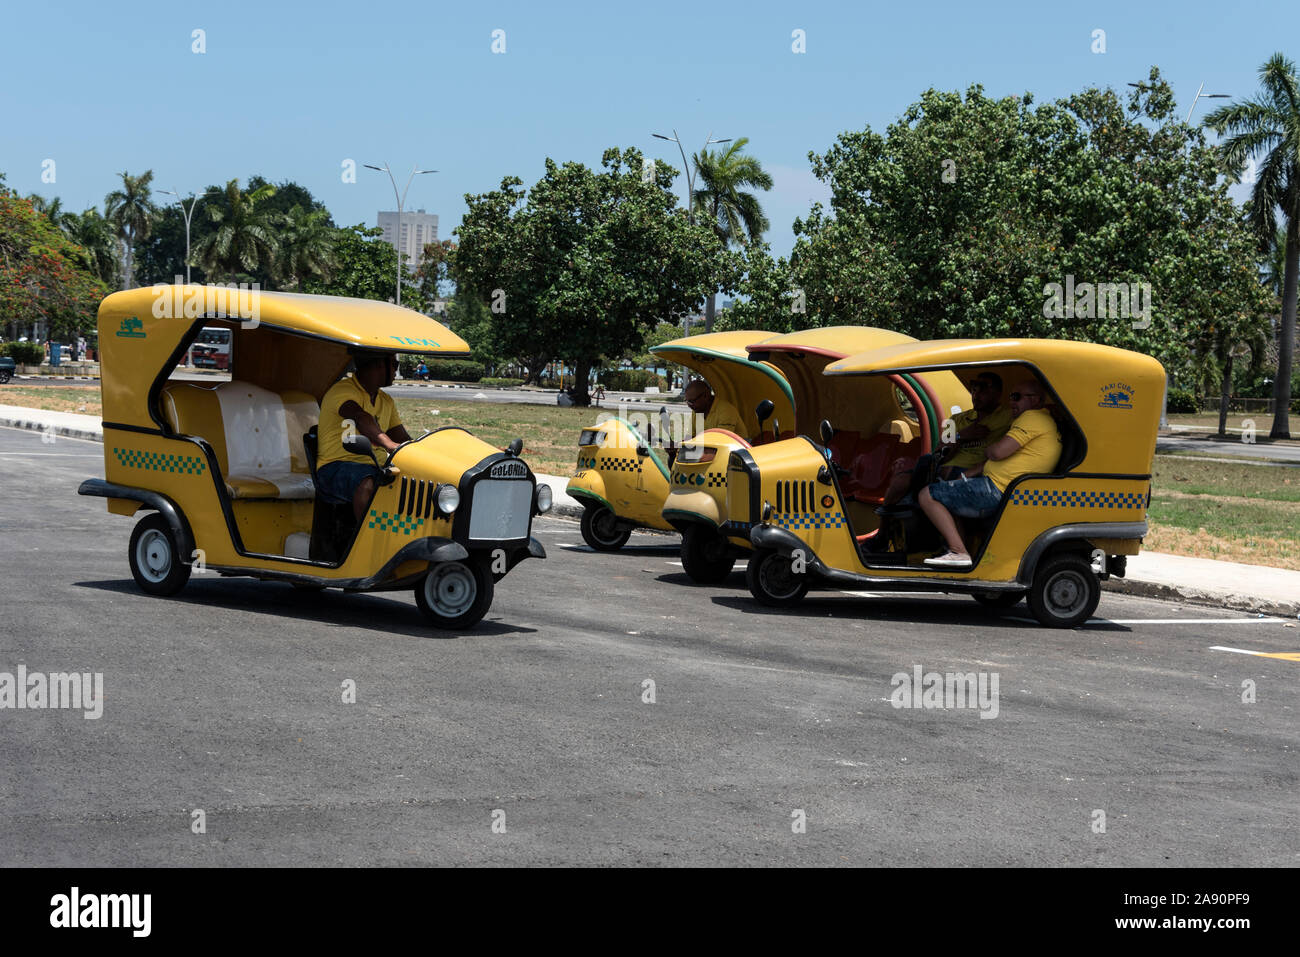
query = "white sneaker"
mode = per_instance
[{"x": 949, "y": 560}]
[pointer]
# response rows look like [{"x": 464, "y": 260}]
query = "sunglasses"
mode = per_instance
[{"x": 1017, "y": 396}]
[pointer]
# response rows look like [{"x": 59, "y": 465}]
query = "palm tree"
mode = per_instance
[
  {"x": 1275, "y": 263},
  {"x": 243, "y": 237},
  {"x": 132, "y": 213},
  {"x": 307, "y": 247},
  {"x": 1270, "y": 124},
  {"x": 735, "y": 215},
  {"x": 52, "y": 208},
  {"x": 94, "y": 234}
]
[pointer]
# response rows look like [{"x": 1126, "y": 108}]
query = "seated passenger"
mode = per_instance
[
  {"x": 984, "y": 423},
  {"x": 359, "y": 399},
  {"x": 718, "y": 413},
  {"x": 1032, "y": 444}
]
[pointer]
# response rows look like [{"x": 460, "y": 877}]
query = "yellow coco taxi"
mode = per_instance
[
  {"x": 1054, "y": 533},
  {"x": 226, "y": 470},
  {"x": 625, "y": 477}
]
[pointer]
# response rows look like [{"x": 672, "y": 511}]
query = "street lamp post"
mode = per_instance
[
  {"x": 690, "y": 174},
  {"x": 401, "y": 201},
  {"x": 690, "y": 188},
  {"x": 194, "y": 201},
  {"x": 1205, "y": 96}
]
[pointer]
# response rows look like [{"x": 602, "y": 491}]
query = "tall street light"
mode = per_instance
[
  {"x": 690, "y": 186},
  {"x": 690, "y": 173},
  {"x": 401, "y": 201},
  {"x": 1205, "y": 96},
  {"x": 194, "y": 201}
]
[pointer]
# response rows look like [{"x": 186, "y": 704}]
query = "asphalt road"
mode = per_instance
[{"x": 227, "y": 698}]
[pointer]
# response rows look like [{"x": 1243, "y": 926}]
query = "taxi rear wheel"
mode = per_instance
[
  {"x": 602, "y": 530},
  {"x": 155, "y": 560},
  {"x": 455, "y": 595},
  {"x": 706, "y": 555},
  {"x": 773, "y": 581},
  {"x": 1065, "y": 592}
]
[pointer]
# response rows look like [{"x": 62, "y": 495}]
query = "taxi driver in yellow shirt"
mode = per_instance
[
  {"x": 357, "y": 404},
  {"x": 718, "y": 413},
  {"x": 1032, "y": 444}
]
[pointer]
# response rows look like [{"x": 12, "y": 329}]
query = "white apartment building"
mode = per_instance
[{"x": 418, "y": 230}]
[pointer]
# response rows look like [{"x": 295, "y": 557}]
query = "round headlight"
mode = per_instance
[
  {"x": 448, "y": 499},
  {"x": 543, "y": 499}
]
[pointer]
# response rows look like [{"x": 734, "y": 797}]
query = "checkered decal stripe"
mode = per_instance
[
  {"x": 610, "y": 463},
  {"x": 1076, "y": 499},
  {"x": 405, "y": 524},
  {"x": 160, "y": 461},
  {"x": 717, "y": 480},
  {"x": 811, "y": 520}
]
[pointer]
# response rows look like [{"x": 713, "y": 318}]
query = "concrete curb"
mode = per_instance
[
  {"x": 19, "y": 421},
  {"x": 1197, "y": 596}
]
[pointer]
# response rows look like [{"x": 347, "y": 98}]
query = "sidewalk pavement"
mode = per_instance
[{"x": 1254, "y": 588}]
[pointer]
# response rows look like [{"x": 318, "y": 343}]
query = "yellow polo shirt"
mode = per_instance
[
  {"x": 330, "y": 430},
  {"x": 1040, "y": 448},
  {"x": 723, "y": 415},
  {"x": 972, "y": 452}
]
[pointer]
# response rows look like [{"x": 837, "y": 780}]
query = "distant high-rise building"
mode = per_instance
[{"x": 418, "y": 230}]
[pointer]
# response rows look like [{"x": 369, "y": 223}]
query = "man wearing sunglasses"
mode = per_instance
[
  {"x": 718, "y": 413},
  {"x": 1032, "y": 444}
]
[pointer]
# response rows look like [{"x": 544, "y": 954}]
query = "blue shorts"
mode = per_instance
[
  {"x": 969, "y": 498},
  {"x": 339, "y": 480}
]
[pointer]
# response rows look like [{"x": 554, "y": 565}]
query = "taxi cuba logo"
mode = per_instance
[{"x": 1116, "y": 395}]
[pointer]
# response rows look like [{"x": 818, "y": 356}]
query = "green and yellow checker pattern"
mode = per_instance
[
  {"x": 160, "y": 461},
  {"x": 397, "y": 524},
  {"x": 810, "y": 520},
  {"x": 1079, "y": 498}
]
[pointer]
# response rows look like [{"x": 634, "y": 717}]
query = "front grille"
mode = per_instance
[
  {"x": 416, "y": 497},
  {"x": 500, "y": 510},
  {"x": 795, "y": 497}
]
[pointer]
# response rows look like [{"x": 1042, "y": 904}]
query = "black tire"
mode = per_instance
[
  {"x": 155, "y": 559},
  {"x": 706, "y": 555},
  {"x": 1065, "y": 592},
  {"x": 5, "y": 375},
  {"x": 772, "y": 582},
  {"x": 455, "y": 595},
  {"x": 602, "y": 530},
  {"x": 998, "y": 600}
]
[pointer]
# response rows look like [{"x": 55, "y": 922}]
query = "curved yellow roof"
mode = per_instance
[
  {"x": 1057, "y": 358},
  {"x": 363, "y": 323},
  {"x": 723, "y": 360},
  {"x": 833, "y": 340}
]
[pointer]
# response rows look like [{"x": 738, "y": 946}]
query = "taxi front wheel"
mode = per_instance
[
  {"x": 455, "y": 595},
  {"x": 706, "y": 555},
  {"x": 1065, "y": 592},
  {"x": 155, "y": 560},
  {"x": 602, "y": 530},
  {"x": 773, "y": 581}
]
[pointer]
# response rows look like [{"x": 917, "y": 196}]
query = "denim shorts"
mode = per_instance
[
  {"x": 339, "y": 480},
  {"x": 969, "y": 498}
]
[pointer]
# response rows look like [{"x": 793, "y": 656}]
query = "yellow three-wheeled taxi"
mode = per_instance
[
  {"x": 227, "y": 470},
  {"x": 1054, "y": 535}
]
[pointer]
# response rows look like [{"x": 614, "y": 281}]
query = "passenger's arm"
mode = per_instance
[
  {"x": 399, "y": 433},
  {"x": 1001, "y": 449}
]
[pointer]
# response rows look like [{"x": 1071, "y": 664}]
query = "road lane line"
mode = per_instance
[{"x": 1284, "y": 655}]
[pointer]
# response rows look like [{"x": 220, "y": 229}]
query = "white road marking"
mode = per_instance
[
  {"x": 1162, "y": 621},
  {"x": 80, "y": 455}
]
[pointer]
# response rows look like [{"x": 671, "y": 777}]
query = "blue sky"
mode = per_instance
[{"x": 293, "y": 90}]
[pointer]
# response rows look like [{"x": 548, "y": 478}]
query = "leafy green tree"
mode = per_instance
[
  {"x": 307, "y": 246},
  {"x": 957, "y": 220},
  {"x": 586, "y": 263},
  {"x": 243, "y": 236},
  {"x": 769, "y": 298},
  {"x": 721, "y": 200},
  {"x": 365, "y": 267},
  {"x": 41, "y": 273},
  {"x": 1268, "y": 126},
  {"x": 132, "y": 212},
  {"x": 94, "y": 235}
]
